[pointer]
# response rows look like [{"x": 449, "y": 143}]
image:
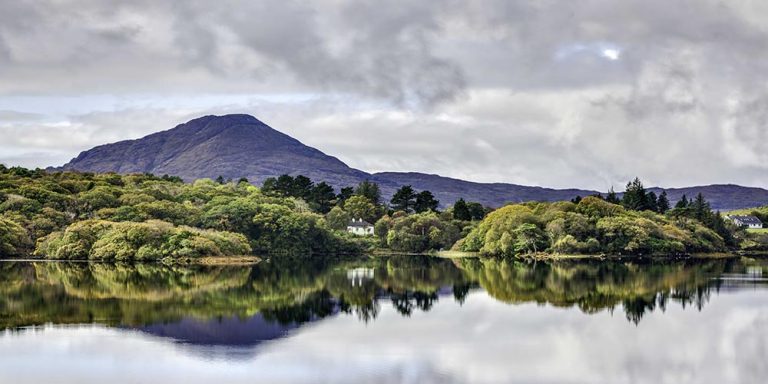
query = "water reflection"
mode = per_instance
[
  {"x": 152, "y": 297},
  {"x": 396, "y": 319}
]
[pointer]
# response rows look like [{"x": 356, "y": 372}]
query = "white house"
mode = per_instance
[
  {"x": 746, "y": 221},
  {"x": 360, "y": 227}
]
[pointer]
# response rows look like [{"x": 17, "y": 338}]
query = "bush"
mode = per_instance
[
  {"x": 14, "y": 240},
  {"x": 126, "y": 241}
]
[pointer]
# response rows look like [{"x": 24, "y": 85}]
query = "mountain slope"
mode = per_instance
[
  {"x": 232, "y": 146},
  {"x": 723, "y": 197},
  {"x": 449, "y": 190}
]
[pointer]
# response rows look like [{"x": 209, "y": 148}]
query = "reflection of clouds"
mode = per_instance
[
  {"x": 483, "y": 341},
  {"x": 751, "y": 347}
]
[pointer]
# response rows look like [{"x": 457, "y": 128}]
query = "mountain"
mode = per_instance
[
  {"x": 232, "y": 146},
  {"x": 235, "y": 146}
]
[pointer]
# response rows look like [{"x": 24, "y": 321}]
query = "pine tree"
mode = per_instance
[
  {"x": 404, "y": 199},
  {"x": 662, "y": 204},
  {"x": 425, "y": 201},
  {"x": 321, "y": 198},
  {"x": 369, "y": 190},
  {"x": 611, "y": 197},
  {"x": 635, "y": 197},
  {"x": 700, "y": 208},
  {"x": 344, "y": 194},
  {"x": 652, "y": 202},
  {"x": 302, "y": 187},
  {"x": 682, "y": 203}
]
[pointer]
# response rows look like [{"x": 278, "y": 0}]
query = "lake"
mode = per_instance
[{"x": 386, "y": 320}]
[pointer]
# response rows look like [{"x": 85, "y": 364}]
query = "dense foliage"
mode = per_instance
[
  {"x": 151, "y": 240},
  {"x": 109, "y": 216},
  {"x": 418, "y": 232},
  {"x": 590, "y": 226}
]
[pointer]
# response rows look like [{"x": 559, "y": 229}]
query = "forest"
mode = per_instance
[{"x": 70, "y": 215}]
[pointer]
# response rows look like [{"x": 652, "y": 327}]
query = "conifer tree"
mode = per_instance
[
  {"x": 404, "y": 199},
  {"x": 611, "y": 197},
  {"x": 635, "y": 197},
  {"x": 425, "y": 201},
  {"x": 662, "y": 204}
]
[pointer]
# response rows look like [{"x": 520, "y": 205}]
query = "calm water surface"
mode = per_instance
[{"x": 386, "y": 320}]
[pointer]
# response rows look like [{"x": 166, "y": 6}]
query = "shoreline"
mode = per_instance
[{"x": 253, "y": 260}]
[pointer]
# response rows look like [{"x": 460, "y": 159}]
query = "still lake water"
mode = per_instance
[{"x": 385, "y": 320}]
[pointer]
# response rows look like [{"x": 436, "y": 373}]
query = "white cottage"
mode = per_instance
[
  {"x": 746, "y": 221},
  {"x": 360, "y": 227}
]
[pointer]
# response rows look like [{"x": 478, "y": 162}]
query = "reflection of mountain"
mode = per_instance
[
  {"x": 229, "y": 331},
  {"x": 226, "y": 305}
]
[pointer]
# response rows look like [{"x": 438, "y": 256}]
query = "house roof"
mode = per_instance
[
  {"x": 359, "y": 223},
  {"x": 746, "y": 219}
]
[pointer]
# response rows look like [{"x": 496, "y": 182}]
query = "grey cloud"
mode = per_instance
[
  {"x": 299, "y": 45},
  {"x": 490, "y": 90}
]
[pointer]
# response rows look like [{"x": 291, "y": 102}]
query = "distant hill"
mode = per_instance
[
  {"x": 235, "y": 146},
  {"x": 723, "y": 197},
  {"x": 492, "y": 194}
]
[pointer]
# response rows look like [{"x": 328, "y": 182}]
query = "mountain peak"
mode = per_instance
[{"x": 232, "y": 146}]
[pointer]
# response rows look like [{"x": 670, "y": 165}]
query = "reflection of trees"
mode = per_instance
[
  {"x": 595, "y": 286},
  {"x": 406, "y": 302},
  {"x": 37, "y": 293}
]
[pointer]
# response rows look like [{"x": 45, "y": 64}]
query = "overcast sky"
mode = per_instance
[{"x": 556, "y": 93}]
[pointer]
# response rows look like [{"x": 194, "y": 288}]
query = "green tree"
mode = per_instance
[
  {"x": 420, "y": 232},
  {"x": 337, "y": 219},
  {"x": 269, "y": 186},
  {"x": 682, "y": 203},
  {"x": 461, "y": 211},
  {"x": 662, "y": 204},
  {"x": 220, "y": 179},
  {"x": 344, "y": 194},
  {"x": 611, "y": 197},
  {"x": 425, "y": 201},
  {"x": 369, "y": 190},
  {"x": 359, "y": 207},
  {"x": 635, "y": 196},
  {"x": 529, "y": 239},
  {"x": 476, "y": 210},
  {"x": 302, "y": 187},
  {"x": 14, "y": 240},
  {"x": 652, "y": 202},
  {"x": 404, "y": 199},
  {"x": 322, "y": 197},
  {"x": 700, "y": 208}
]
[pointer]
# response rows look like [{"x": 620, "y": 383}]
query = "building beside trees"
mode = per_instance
[{"x": 360, "y": 227}]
